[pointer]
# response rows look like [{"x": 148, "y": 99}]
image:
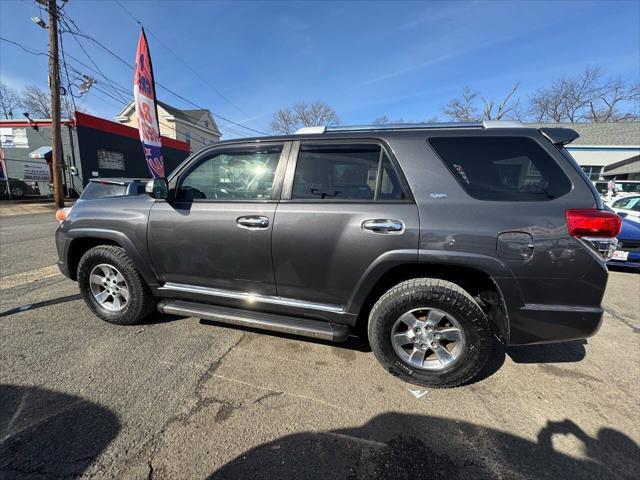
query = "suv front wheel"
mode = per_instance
[
  {"x": 112, "y": 287},
  {"x": 430, "y": 332}
]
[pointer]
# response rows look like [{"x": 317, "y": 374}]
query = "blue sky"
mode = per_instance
[{"x": 365, "y": 59}]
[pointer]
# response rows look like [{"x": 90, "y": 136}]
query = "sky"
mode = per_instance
[{"x": 245, "y": 60}]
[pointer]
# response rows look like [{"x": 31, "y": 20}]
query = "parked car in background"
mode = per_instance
[
  {"x": 113, "y": 187},
  {"x": 623, "y": 188},
  {"x": 626, "y": 207},
  {"x": 627, "y": 253},
  {"x": 18, "y": 188},
  {"x": 432, "y": 239},
  {"x": 99, "y": 188}
]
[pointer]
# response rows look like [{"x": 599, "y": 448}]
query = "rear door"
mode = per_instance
[
  {"x": 216, "y": 232},
  {"x": 344, "y": 204}
]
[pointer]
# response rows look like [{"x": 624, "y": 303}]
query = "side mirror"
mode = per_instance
[
  {"x": 157, "y": 188},
  {"x": 622, "y": 214}
]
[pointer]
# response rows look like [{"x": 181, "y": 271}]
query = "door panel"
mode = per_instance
[
  {"x": 202, "y": 244},
  {"x": 216, "y": 232},
  {"x": 320, "y": 251}
]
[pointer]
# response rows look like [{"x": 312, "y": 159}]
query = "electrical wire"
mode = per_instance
[
  {"x": 114, "y": 85},
  {"x": 179, "y": 58},
  {"x": 78, "y": 32}
]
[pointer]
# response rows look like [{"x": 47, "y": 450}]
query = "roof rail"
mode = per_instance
[{"x": 411, "y": 126}]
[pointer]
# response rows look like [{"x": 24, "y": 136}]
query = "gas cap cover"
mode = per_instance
[{"x": 515, "y": 245}]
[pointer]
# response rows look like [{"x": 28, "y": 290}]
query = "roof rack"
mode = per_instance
[{"x": 411, "y": 126}]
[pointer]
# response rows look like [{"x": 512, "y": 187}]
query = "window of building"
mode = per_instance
[
  {"x": 345, "y": 172},
  {"x": 233, "y": 175},
  {"x": 592, "y": 171},
  {"x": 502, "y": 168}
]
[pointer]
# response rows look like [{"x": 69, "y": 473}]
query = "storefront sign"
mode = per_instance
[
  {"x": 13, "y": 137},
  {"x": 36, "y": 172},
  {"x": 108, "y": 160}
]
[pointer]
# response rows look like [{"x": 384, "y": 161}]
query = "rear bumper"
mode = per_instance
[
  {"x": 553, "y": 323},
  {"x": 547, "y": 310}
]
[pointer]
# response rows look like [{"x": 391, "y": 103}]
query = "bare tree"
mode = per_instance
[
  {"x": 507, "y": 108},
  {"x": 463, "y": 108},
  {"x": 9, "y": 101},
  {"x": 585, "y": 97},
  {"x": 38, "y": 103},
  {"x": 287, "y": 120},
  {"x": 609, "y": 106}
]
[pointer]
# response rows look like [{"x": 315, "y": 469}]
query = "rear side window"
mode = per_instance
[
  {"x": 345, "y": 172},
  {"x": 502, "y": 168},
  {"x": 96, "y": 190}
]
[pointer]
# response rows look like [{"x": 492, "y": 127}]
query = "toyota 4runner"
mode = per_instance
[{"x": 432, "y": 239}]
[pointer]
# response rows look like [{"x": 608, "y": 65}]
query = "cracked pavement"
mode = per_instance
[{"x": 184, "y": 398}]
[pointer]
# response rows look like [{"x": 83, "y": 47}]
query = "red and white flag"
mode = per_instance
[{"x": 144, "y": 94}]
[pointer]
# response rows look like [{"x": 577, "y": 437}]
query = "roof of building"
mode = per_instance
[
  {"x": 605, "y": 133},
  {"x": 191, "y": 116},
  {"x": 630, "y": 165}
]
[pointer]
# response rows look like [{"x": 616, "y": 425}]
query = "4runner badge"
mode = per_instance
[{"x": 438, "y": 195}]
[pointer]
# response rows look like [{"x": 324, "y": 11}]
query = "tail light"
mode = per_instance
[{"x": 593, "y": 223}]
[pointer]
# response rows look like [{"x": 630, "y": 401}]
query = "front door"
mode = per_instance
[
  {"x": 344, "y": 205},
  {"x": 216, "y": 231}
]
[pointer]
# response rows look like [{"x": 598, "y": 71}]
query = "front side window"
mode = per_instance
[
  {"x": 632, "y": 203},
  {"x": 502, "y": 168},
  {"x": 233, "y": 175},
  {"x": 345, "y": 172}
]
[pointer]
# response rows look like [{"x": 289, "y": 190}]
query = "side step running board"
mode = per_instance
[{"x": 252, "y": 319}]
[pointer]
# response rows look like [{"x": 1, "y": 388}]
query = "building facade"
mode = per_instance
[
  {"x": 92, "y": 147},
  {"x": 195, "y": 127},
  {"x": 602, "y": 145}
]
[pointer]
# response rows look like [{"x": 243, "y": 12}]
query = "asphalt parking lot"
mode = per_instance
[{"x": 185, "y": 398}]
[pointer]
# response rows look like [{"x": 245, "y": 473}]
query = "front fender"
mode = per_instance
[{"x": 140, "y": 259}]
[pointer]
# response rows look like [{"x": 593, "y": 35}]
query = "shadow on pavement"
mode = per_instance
[
  {"x": 44, "y": 303},
  {"x": 398, "y": 446},
  {"x": 46, "y": 434},
  {"x": 549, "y": 353}
]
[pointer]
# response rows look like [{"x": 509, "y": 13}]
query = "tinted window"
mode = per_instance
[
  {"x": 345, "y": 172},
  {"x": 102, "y": 190},
  {"x": 502, "y": 168},
  {"x": 233, "y": 175}
]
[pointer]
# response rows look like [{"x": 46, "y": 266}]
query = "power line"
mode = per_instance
[
  {"x": 179, "y": 58},
  {"x": 64, "y": 63},
  {"x": 116, "y": 56},
  {"x": 113, "y": 84}
]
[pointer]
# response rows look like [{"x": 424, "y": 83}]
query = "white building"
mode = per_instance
[{"x": 601, "y": 145}]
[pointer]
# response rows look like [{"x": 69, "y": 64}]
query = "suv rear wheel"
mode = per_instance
[
  {"x": 430, "y": 332},
  {"x": 112, "y": 287}
]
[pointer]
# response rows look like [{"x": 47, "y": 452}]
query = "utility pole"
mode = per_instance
[{"x": 54, "y": 83}]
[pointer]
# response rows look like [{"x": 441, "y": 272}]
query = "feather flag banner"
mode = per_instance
[{"x": 144, "y": 94}]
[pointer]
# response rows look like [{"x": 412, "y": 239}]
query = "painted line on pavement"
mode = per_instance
[{"x": 23, "y": 278}]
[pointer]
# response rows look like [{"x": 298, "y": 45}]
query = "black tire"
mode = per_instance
[
  {"x": 447, "y": 297},
  {"x": 141, "y": 301}
]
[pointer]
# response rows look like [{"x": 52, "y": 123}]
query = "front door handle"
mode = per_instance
[
  {"x": 253, "y": 222},
  {"x": 383, "y": 225}
]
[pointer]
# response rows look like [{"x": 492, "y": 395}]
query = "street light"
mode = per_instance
[{"x": 40, "y": 22}]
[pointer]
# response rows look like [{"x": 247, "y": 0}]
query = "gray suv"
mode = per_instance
[{"x": 432, "y": 239}]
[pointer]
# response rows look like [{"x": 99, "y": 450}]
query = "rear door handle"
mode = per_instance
[
  {"x": 383, "y": 225},
  {"x": 253, "y": 222}
]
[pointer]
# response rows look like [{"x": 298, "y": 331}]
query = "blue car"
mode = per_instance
[{"x": 628, "y": 252}]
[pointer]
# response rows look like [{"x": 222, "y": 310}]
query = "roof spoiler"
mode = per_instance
[{"x": 560, "y": 136}]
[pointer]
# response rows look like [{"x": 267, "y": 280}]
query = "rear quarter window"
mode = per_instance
[{"x": 502, "y": 168}]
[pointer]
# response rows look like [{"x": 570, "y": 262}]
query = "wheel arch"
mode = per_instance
[
  {"x": 476, "y": 281},
  {"x": 82, "y": 240}
]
